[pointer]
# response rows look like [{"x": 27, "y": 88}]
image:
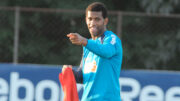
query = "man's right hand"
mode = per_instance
[
  {"x": 77, "y": 39},
  {"x": 66, "y": 66}
]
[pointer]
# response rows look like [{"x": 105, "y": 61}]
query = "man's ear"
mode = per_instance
[
  {"x": 106, "y": 21},
  {"x": 86, "y": 19}
]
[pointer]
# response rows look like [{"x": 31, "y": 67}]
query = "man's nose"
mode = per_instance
[{"x": 92, "y": 23}]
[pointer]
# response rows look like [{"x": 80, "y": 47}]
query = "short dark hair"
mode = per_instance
[{"x": 99, "y": 7}]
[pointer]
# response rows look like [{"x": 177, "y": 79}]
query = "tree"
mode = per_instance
[{"x": 160, "y": 6}]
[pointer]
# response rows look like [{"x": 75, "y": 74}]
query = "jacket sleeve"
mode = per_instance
[
  {"x": 106, "y": 50},
  {"x": 78, "y": 75}
]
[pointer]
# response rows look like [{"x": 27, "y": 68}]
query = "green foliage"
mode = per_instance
[
  {"x": 6, "y": 43},
  {"x": 45, "y": 42},
  {"x": 159, "y": 6},
  {"x": 6, "y": 36},
  {"x": 150, "y": 43}
]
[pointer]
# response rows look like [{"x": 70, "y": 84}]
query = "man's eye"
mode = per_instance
[
  {"x": 97, "y": 19},
  {"x": 90, "y": 19}
]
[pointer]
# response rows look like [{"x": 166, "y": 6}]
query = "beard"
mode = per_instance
[{"x": 96, "y": 31}]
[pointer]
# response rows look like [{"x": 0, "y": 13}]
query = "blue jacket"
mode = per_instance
[{"x": 101, "y": 66}]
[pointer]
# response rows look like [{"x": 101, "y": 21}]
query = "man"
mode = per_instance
[{"x": 102, "y": 57}]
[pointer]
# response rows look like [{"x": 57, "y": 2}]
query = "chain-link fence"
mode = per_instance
[{"x": 34, "y": 35}]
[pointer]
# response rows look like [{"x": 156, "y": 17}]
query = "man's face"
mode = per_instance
[{"x": 96, "y": 23}]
